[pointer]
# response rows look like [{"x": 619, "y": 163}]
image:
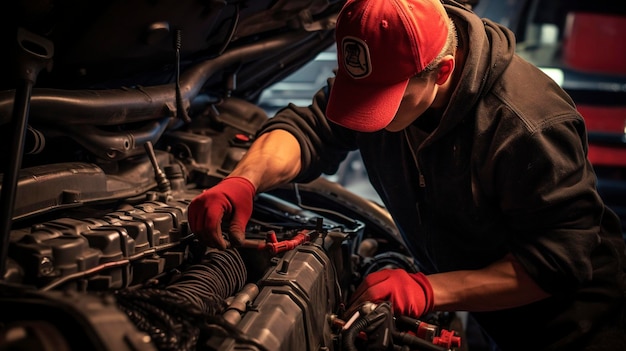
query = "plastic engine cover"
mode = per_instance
[{"x": 294, "y": 301}]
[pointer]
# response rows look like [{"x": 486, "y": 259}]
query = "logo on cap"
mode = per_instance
[{"x": 356, "y": 57}]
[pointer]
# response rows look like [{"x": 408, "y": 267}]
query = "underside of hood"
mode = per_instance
[{"x": 113, "y": 43}]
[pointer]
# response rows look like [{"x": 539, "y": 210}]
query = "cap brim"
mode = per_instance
[{"x": 363, "y": 107}]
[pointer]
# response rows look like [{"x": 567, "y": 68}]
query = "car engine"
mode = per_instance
[{"x": 114, "y": 117}]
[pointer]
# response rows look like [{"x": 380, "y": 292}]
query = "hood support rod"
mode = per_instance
[{"x": 29, "y": 64}]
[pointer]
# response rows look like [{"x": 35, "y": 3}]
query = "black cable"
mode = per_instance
[
  {"x": 232, "y": 31},
  {"x": 351, "y": 334},
  {"x": 181, "y": 112},
  {"x": 319, "y": 209},
  {"x": 414, "y": 342}
]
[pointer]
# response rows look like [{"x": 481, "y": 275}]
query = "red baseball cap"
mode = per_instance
[{"x": 381, "y": 44}]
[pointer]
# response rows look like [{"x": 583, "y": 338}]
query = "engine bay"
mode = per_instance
[
  {"x": 114, "y": 117},
  {"x": 128, "y": 274}
]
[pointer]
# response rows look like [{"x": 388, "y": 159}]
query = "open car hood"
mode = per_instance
[
  {"x": 108, "y": 44},
  {"x": 100, "y": 59}
]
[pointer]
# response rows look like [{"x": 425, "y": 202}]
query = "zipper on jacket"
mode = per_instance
[
  {"x": 422, "y": 218},
  {"x": 420, "y": 176},
  {"x": 419, "y": 213}
]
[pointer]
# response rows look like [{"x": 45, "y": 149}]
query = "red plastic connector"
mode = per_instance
[{"x": 447, "y": 339}]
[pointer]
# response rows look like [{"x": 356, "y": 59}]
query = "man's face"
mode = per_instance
[{"x": 418, "y": 97}]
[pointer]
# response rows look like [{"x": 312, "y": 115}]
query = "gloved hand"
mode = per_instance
[
  {"x": 232, "y": 200},
  {"x": 410, "y": 294}
]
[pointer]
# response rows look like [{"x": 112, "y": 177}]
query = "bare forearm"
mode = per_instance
[
  {"x": 273, "y": 159},
  {"x": 503, "y": 284}
]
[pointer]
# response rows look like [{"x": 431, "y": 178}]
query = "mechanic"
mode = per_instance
[{"x": 479, "y": 157}]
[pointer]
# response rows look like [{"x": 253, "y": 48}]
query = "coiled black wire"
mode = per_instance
[
  {"x": 175, "y": 315},
  {"x": 350, "y": 335}
]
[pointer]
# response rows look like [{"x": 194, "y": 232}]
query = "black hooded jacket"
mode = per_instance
[{"x": 503, "y": 170}]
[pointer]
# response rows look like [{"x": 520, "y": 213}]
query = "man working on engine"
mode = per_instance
[{"x": 479, "y": 157}]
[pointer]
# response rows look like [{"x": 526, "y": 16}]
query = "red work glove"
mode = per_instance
[
  {"x": 410, "y": 294},
  {"x": 232, "y": 200}
]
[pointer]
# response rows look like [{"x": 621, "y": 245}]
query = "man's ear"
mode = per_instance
[{"x": 446, "y": 67}]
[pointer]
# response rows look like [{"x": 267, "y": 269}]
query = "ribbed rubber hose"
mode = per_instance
[{"x": 173, "y": 316}]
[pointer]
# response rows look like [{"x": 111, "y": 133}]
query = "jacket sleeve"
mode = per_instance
[
  {"x": 323, "y": 144},
  {"x": 557, "y": 218}
]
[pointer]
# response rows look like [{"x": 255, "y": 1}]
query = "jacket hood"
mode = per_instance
[{"x": 489, "y": 48}]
